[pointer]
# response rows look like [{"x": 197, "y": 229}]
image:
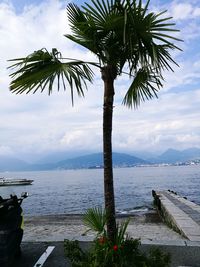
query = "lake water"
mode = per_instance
[{"x": 74, "y": 191}]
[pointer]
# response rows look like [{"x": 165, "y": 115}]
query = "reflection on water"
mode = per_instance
[{"x": 73, "y": 191}]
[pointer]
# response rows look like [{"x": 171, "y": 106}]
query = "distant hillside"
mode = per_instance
[
  {"x": 60, "y": 156},
  {"x": 83, "y": 162},
  {"x": 94, "y": 160},
  {"x": 174, "y": 156},
  {"x": 13, "y": 164}
]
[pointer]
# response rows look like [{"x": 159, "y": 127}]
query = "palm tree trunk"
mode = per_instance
[{"x": 108, "y": 76}]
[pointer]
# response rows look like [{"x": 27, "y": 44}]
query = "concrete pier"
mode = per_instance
[{"x": 180, "y": 213}]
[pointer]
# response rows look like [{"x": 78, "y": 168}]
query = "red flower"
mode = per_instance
[
  {"x": 115, "y": 247},
  {"x": 102, "y": 240}
]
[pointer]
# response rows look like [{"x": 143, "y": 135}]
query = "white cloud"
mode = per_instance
[
  {"x": 182, "y": 11},
  {"x": 196, "y": 12},
  {"x": 170, "y": 121}
]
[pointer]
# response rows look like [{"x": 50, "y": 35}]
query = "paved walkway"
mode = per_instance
[{"x": 182, "y": 213}]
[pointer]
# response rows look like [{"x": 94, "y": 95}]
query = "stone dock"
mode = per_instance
[{"x": 178, "y": 212}]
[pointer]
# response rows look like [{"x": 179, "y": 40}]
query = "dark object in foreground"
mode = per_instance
[{"x": 11, "y": 229}]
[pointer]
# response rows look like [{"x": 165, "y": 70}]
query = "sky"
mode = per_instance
[{"x": 32, "y": 126}]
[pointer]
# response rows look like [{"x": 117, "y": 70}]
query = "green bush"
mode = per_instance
[{"x": 123, "y": 252}]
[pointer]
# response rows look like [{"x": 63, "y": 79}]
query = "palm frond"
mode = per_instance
[
  {"x": 143, "y": 32},
  {"x": 95, "y": 219},
  {"x": 99, "y": 10},
  {"x": 121, "y": 231},
  {"x": 84, "y": 30},
  {"x": 145, "y": 86},
  {"x": 121, "y": 32},
  {"x": 42, "y": 69}
]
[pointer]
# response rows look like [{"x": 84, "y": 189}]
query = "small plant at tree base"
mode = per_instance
[{"x": 123, "y": 252}]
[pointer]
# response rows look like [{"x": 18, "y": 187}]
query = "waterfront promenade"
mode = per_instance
[{"x": 45, "y": 232}]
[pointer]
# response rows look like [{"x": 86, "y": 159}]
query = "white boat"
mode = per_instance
[{"x": 8, "y": 181}]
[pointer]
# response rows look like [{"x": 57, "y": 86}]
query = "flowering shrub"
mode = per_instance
[
  {"x": 115, "y": 248},
  {"x": 123, "y": 252}
]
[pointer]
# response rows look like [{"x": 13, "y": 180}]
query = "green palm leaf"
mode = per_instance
[
  {"x": 95, "y": 219},
  {"x": 144, "y": 87},
  {"x": 42, "y": 70},
  {"x": 121, "y": 231}
]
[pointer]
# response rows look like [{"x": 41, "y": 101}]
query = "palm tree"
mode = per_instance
[{"x": 127, "y": 39}]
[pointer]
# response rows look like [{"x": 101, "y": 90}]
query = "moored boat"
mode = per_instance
[{"x": 9, "y": 181}]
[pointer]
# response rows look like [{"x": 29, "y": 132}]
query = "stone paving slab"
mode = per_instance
[
  {"x": 187, "y": 202},
  {"x": 182, "y": 213}
]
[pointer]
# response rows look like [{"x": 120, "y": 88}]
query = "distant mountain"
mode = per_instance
[
  {"x": 91, "y": 161},
  {"x": 87, "y": 161},
  {"x": 96, "y": 160},
  {"x": 60, "y": 156},
  {"x": 174, "y": 156},
  {"x": 13, "y": 164}
]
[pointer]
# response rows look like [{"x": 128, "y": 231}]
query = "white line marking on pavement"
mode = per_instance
[{"x": 44, "y": 257}]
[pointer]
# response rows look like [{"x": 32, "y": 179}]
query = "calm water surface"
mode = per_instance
[{"x": 73, "y": 191}]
